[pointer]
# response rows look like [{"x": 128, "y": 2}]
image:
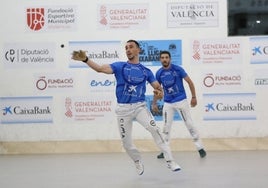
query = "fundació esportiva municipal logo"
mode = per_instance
[{"x": 35, "y": 18}]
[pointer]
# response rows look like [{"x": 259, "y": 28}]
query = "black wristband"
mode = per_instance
[{"x": 85, "y": 60}]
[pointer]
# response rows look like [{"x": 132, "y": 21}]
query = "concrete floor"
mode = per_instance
[{"x": 226, "y": 169}]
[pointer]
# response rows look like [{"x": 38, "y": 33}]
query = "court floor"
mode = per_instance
[{"x": 226, "y": 169}]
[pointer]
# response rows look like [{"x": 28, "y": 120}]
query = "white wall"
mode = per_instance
[{"x": 16, "y": 82}]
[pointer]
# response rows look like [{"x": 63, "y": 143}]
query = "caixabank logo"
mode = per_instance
[
  {"x": 259, "y": 50},
  {"x": 21, "y": 110},
  {"x": 47, "y": 18},
  {"x": 229, "y": 106}
]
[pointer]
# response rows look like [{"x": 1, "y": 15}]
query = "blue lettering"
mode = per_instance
[{"x": 95, "y": 83}]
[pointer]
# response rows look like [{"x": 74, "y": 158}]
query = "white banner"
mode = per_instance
[
  {"x": 26, "y": 110},
  {"x": 102, "y": 52},
  {"x": 29, "y": 55},
  {"x": 192, "y": 14},
  {"x": 101, "y": 83},
  {"x": 222, "y": 80},
  {"x": 261, "y": 78},
  {"x": 123, "y": 16},
  {"x": 225, "y": 50},
  {"x": 259, "y": 50},
  {"x": 93, "y": 108},
  {"x": 54, "y": 82},
  {"x": 51, "y": 18},
  {"x": 229, "y": 106}
]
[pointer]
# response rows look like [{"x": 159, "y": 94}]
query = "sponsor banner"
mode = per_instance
[
  {"x": 150, "y": 51},
  {"x": 16, "y": 110},
  {"x": 80, "y": 109},
  {"x": 192, "y": 14},
  {"x": 222, "y": 80},
  {"x": 261, "y": 78},
  {"x": 51, "y": 18},
  {"x": 226, "y": 50},
  {"x": 101, "y": 83},
  {"x": 229, "y": 106},
  {"x": 259, "y": 50},
  {"x": 54, "y": 82},
  {"x": 29, "y": 55},
  {"x": 102, "y": 52},
  {"x": 123, "y": 16},
  {"x": 160, "y": 103}
]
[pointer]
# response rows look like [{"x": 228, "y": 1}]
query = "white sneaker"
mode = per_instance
[
  {"x": 173, "y": 166},
  {"x": 139, "y": 167}
]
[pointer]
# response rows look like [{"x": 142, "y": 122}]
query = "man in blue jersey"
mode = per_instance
[
  {"x": 131, "y": 78},
  {"x": 171, "y": 78}
]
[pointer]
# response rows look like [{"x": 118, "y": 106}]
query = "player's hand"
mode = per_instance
[
  {"x": 193, "y": 102},
  {"x": 155, "y": 108},
  {"x": 158, "y": 94},
  {"x": 79, "y": 55}
]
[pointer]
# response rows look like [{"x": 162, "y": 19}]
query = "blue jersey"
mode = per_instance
[
  {"x": 131, "y": 81},
  {"x": 172, "y": 82}
]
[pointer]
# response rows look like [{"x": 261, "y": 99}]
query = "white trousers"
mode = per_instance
[
  {"x": 183, "y": 108},
  {"x": 126, "y": 114}
]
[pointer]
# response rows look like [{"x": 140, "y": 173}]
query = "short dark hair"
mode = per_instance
[
  {"x": 165, "y": 52},
  {"x": 136, "y": 42}
]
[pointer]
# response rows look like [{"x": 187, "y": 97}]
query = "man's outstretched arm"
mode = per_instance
[{"x": 81, "y": 56}]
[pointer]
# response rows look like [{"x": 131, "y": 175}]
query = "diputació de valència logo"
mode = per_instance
[{"x": 29, "y": 55}]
